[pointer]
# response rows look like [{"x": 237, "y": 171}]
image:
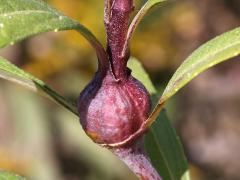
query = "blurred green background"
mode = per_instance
[{"x": 42, "y": 141}]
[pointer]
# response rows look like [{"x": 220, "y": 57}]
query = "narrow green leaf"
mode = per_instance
[
  {"x": 4, "y": 175},
  {"x": 165, "y": 150},
  {"x": 20, "y": 19},
  {"x": 10, "y": 72},
  {"x": 137, "y": 19},
  {"x": 161, "y": 142},
  {"x": 211, "y": 53},
  {"x": 217, "y": 50},
  {"x": 139, "y": 73},
  {"x": 151, "y": 3}
]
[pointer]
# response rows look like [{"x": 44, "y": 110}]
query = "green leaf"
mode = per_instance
[
  {"x": 165, "y": 150},
  {"x": 161, "y": 142},
  {"x": 10, "y": 72},
  {"x": 137, "y": 19},
  {"x": 211, "y": 53},
  {"x": 20, "y": 19},
  {"x": 150, "y": 3},
  {"x": 4, "y": 175},
  {"x": 139, "y": 73},
  {"x": 217, "y": 50}
]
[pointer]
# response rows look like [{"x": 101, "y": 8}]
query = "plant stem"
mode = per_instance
[
  {"x": 116, "y": 20},
  {"x": 117, "y": 14},
  {"x": 135, "y": 158}
]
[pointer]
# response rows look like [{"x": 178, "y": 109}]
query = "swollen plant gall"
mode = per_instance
[
  {"x": 112, "y": 110},
  {"x": 114, "y": 107}
]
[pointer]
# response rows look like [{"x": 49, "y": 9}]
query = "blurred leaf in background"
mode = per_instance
[{"x": 9, "y": 176}]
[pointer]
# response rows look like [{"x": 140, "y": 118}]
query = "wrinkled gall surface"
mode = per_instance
[{"x": 111, "y": 110}]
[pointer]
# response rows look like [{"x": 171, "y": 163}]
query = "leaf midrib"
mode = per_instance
[
  {"x": 15, "y": 79},
  {"x": 162, "y": 154},
  {"x": 213, "y": 55},
  {"x": 194, "y": 66},
  {"x": 5, "y": 15}
]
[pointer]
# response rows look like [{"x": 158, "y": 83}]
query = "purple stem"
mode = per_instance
[
  {"x": 116, "y": 19},
  {"x": 135, "y": 158},
  {"x": 117, "y": 14}
]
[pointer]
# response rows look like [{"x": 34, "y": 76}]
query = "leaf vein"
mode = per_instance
[
  {"x": 25, "y": 12},
  {"x": 159, "y": 147}
]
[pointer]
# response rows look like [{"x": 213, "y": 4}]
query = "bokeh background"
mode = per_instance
[{"x": 42, "y": 141}]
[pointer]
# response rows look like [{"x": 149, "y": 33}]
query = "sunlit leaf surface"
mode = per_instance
[
  {"x": 217, "y": 50},
  {"x": 213, "y": 52},
  {"x": 20, "y": 19}
]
